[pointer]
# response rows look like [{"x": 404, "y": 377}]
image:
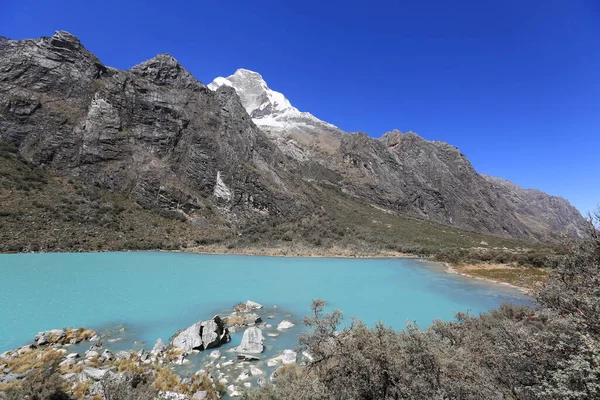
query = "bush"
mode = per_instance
[{"x": 42, "y": 383}]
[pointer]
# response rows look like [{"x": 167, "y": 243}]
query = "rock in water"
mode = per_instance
[
  {"x": 252, "y": 341},
  {"x": 159, "y": 348},
  {"x": 286, "y": 357},
  {"x": 283, "y": 325},
  {"x": 190, "y": 338},
  {"x": 49, "y": 337},
  {"x": 252, "y": 305},
  {"x": 202, "y": 335}
]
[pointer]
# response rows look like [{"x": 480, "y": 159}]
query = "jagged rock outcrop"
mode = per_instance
[
  {"x": 201, "y": 336},
  {"x": 153, "y": 132}
]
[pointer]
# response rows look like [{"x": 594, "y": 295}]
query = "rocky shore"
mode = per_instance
[
  {"x": 299, "y": 251},
  {"x": 192, "y": 365}
]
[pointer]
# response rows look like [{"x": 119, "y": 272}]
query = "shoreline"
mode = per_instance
[
  {"x": 454, "y": 270},
  {"x": 334, "y": 252}
]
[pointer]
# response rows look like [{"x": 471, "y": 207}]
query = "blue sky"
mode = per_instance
[{"x": 514, "y": 84}]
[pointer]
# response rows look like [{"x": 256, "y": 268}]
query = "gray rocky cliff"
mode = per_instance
[
  {"x": 541, "y": 211},
  {"x": 153, "y": 132}
]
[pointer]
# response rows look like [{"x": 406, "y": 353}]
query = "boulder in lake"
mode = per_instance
[
  {"x": 247, "y": 306},
  {"x": 202, "y": 335},
  {"x": 252, "y": 341},
  {"x": 256, "y": 371},
  {"x": 239, "y": 319},
  {"x": 252, "y": 305}
]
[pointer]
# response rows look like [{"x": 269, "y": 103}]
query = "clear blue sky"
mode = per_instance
[{"x": 514, "y": 84}]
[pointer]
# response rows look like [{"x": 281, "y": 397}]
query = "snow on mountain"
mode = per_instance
[{"x": 268, "y": 108}]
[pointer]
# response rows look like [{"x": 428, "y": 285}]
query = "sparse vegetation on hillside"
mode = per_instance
[
  {"x": 43, "y": 212},
  {"x": 40, "y": 211}
]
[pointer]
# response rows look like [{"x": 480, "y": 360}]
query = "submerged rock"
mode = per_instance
[
  {"x": 247, "y": 357},
  {"x": 247, "y": 306},
  {"x": 283, "y": 325},
  {"x": 286, "y": 357}
]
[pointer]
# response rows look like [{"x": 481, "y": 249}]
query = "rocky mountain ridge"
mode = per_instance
[
  {"x": 235, "y": 151},
  {"x": 153, "y": 132},
  {"x": 405, "y": 173}
]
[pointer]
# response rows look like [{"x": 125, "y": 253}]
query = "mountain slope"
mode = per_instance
[
  {"x": 156, "y": 135},
  {"x": 401, "y": 172},
  {"x": 153, "y": 132}
]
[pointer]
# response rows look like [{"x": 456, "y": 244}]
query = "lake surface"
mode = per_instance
[{"x": 155, "y": 294}]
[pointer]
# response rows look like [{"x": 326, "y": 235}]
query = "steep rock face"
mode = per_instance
[
  {"x": 430, "y": 180},
  {"x": 153, "y": 132},
  {"x": 540, "y": 210}
]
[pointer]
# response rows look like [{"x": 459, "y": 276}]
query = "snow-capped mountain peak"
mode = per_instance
[{"x": 268, "y": 108}]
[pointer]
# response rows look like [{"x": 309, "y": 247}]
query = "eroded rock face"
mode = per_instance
[
  {"x": 202, "y": 335},
  {"x": 153, "y": 132},
  {"x": 538, "y": 209}
]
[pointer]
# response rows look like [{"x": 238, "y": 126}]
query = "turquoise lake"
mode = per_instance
[{"x": 155, "y": 294}]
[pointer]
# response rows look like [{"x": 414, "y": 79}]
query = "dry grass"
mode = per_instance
[
  {"x": 10, "y": 386},
  {"x": 81, "y": 389},
  {"x": 234, "y": 320},
  {"x": 523, "y": 277},
  {"x": 33, "y": 359},
  {"x": 166, "y": 380},
  {"x": 131, "y": 366}
]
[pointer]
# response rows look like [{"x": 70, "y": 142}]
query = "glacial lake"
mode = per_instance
[{"x": 155, "y": 294}]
